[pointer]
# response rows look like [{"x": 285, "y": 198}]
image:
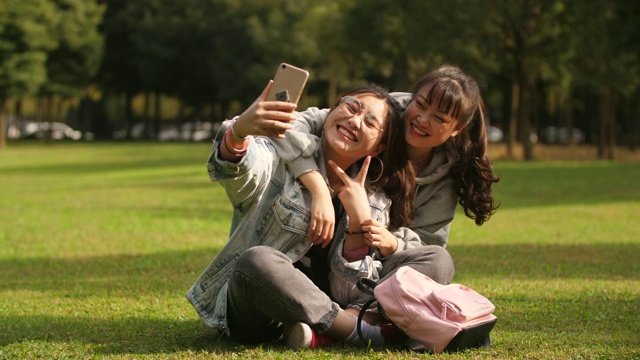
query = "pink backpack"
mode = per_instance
[{"x": 436, "y": 317}]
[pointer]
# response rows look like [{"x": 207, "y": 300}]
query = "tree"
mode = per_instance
[
  {"x": 609, "y": 66},
  {"x": 25, "y": 41},
  {"x": 72, "y": 65}
]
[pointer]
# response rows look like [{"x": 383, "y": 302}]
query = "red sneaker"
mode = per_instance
[
  {"x": 391, "y": 334},
  {"x": 302, "y": 336}
]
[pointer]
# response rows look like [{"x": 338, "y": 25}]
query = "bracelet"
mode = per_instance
[
  {"x": 358, "y": 232},
  {"x": 233, "y": 131},
  {"x": 232, "y": 150}
]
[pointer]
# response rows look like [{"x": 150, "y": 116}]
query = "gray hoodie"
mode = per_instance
[{"x": 436, "y": 199}]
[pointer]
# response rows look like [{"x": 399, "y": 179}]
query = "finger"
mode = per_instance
[
  {"x": 327, "y": 233},
  {"x": 341, "y": 174},
  {"x": 276, "y": 125},
  {"x": 274, "y": 134},
  {"x": 362, "y": 175},
  {"x": 326, "y": 241},
  {"x": 263, "y": 96},
  {"x": 284, "y": 106},
  {"x": 372, "y": 222}
]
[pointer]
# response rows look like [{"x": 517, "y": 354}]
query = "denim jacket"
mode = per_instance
[
  {"x": 270, "y": 207},
  {"x": 435, "y": 202}
]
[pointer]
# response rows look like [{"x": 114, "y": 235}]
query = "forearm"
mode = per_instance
[
  {"x": 354, "y": 235},
  {"x": 232, "y": 146}
]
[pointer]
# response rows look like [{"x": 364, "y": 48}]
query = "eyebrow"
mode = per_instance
[{"x": 441, "y": 113}]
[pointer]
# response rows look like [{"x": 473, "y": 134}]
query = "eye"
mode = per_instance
[
  {"x": 353, "y": 107},
  {"x": 370, "y": 121}
]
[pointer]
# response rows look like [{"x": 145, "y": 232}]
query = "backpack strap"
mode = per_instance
[
  {"x": 366, "y": 286},
  {"x": 364, "y": 309}
]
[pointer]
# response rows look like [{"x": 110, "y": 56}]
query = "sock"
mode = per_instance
[{"x": 371, "y": 332}]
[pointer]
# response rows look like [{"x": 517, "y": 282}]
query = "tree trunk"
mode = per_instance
[
  {"x": 147, "y": 116},
  {"x": 525, "y": 121},
  {"x": 568, "y": 115},
  {"x": 3, "y": 126},
  {"x": 48, "y": 135},
  {"x": 513, "y": 119},
  {"x": 634, "y": 119},
  {"x": 128, "y": 115},
  {"x": 333, "y": 90},
  {"x": 605, "y": 104},
  {"x": 611, "y": 126},
  {"x": 157, "y": 115}
]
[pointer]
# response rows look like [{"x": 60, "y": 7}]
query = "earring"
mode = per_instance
[{"x": 381, "y": 169}]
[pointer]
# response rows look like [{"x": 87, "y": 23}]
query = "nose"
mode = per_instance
[
  {"x": 423, "y": 119},
  {"x": 356, "y": 120}
]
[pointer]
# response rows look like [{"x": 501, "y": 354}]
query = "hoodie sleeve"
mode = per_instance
[{"x": 301, "y": 142}]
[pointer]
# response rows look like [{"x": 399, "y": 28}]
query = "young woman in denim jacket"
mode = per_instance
[
  {"x": 252, "y": 287},
  {"x": 446, "y": 143}
]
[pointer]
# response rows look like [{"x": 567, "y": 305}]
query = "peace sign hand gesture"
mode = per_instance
[{"x": 354, "y": 198}]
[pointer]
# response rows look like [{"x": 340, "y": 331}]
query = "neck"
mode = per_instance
[{"x": 419, "y": 158}]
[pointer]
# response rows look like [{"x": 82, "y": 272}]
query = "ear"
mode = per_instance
[
  {"x": 380, "y": 148},
  {"x": 457, "y": 131}
]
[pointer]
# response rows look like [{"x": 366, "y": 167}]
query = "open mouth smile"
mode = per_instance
[
  {"x": 418, "y": 130},
  {"x": 350, "y": 135}
]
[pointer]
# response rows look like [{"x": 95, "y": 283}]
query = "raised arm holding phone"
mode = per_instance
[{"x": 252, "y": 287}]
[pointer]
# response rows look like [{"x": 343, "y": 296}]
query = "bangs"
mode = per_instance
[{"x": 447, "y": 97}]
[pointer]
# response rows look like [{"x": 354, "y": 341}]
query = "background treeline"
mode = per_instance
[{"x": 111, "y": 65}]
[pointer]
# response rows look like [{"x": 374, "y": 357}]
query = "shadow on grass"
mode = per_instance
[
  {"x": 119, "y": 336},
  {"x": 168, "y": 275},
  {"x": 165, "y": 272},
  {"x": 539, "y": 262}
]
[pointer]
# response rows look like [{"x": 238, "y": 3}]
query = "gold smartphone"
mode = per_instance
[{"x": 288, "y": 83}]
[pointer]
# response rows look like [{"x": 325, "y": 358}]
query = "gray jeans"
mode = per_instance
[{"x": 266, "y": 291}]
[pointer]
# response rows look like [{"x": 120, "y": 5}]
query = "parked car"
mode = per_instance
[
  {"x": 33, "y": 129},
  {"x": 560, "y": 135},
  {"x": 494, "y": 134}
]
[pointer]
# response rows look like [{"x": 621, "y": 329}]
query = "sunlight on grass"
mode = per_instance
[{"x": 99, "y": 242}]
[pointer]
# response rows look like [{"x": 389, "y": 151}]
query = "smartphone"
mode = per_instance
[{"x": 288, "y": 83}]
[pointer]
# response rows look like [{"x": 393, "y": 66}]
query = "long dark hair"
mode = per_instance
[
  {"x": 394, "y": 173},
  {"x": 457, "y": 94}
]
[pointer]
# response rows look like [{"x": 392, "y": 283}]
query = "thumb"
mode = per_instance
[{"x": 263, "y": 96}]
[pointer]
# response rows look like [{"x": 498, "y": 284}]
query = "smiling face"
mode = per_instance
[
  {"x": 430, "y": 118},
  {"x": 354, "y": 128}
]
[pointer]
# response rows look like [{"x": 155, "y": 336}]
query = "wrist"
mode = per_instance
[
  {"x": 353, "y": 232},
  {"x": 234, "y": 132},
  {"x": 233, "y": 147}
]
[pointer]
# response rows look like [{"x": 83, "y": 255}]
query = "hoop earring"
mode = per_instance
[{"x": 381, "y": 169}]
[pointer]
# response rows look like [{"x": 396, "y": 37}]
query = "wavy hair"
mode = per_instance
[
  {"x": 456, "y": 93},
  {"x": 394, "y": 173}
]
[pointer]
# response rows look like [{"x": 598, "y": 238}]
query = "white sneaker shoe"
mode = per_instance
[{"x": 300, "y": 336}]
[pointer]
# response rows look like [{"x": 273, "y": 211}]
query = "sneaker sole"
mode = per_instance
[{"x": 298, "y": 336}]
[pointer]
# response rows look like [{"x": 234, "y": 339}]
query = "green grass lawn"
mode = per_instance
[{"x": 99, "y": 242}]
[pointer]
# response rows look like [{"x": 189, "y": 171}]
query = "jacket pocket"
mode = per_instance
[{"x": 285, "y": 225}]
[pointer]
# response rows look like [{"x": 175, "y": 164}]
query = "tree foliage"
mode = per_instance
[{"x": 562, "y": 63}]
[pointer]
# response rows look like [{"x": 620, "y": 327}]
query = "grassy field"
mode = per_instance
[{"x": 99, "y": 242}]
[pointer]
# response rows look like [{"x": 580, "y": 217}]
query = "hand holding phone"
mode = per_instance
[{"x": 288, "y": 84}]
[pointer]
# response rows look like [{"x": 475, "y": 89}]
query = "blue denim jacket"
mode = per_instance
[{"x": 270, "y": 207}]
